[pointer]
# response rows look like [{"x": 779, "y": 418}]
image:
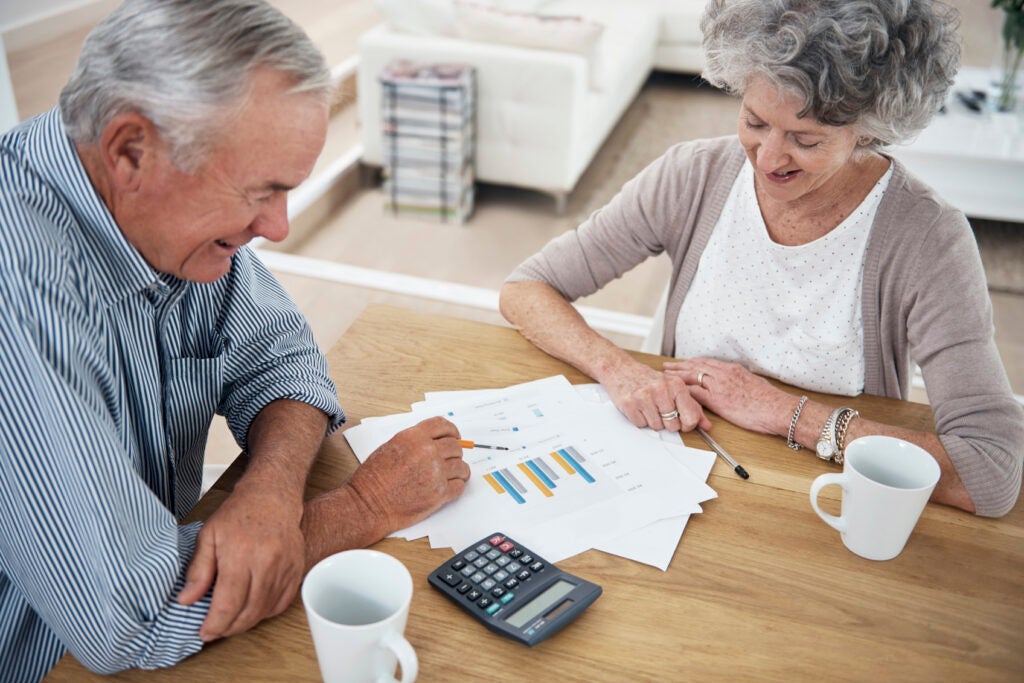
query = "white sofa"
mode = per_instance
[{"x": 542, "y": 114}]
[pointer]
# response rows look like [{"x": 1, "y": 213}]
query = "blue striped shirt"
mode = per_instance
[{"x": 110, "y": 374}]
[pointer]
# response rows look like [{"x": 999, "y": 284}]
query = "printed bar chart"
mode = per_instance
[{"x": 536, "y": 475}]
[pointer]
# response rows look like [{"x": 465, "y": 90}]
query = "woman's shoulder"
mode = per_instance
[{"x": 914, "y": 213}]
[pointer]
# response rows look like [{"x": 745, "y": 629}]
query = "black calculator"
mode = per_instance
[{"x": 512, "y": 591}]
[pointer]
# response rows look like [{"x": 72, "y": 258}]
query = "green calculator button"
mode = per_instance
[
  {"x": 494, "y": 608},
  {"x": 507, "y": 597}
]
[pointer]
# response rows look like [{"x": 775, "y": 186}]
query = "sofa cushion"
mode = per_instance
[
  {"x": 527, "y": 29},
  {"x": 419, "y": 17}
]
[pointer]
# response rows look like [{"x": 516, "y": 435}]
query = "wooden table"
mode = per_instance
[{"x": 759, "y": 589}]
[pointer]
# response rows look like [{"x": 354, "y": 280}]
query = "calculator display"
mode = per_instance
[{"x": 541, "y": 603}]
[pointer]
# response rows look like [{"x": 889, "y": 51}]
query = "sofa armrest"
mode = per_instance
[{"x": 530, "y": 104}]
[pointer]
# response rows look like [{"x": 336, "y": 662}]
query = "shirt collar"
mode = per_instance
[{"x": 122, "y": 269}]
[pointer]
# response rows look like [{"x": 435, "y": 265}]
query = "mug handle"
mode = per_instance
[
  {"x": 837, "y": 523},
  {"x": 406, "y": 658}
]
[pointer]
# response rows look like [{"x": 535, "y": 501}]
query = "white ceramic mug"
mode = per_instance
[
  {"x": 886, "y": 483},
  {"x": 357, "y": 603}
]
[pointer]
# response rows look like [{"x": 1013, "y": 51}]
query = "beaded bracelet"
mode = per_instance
[{"x": 792, "y": 425}]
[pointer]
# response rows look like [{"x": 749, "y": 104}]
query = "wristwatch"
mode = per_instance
[{"x": 826, "y": 447}]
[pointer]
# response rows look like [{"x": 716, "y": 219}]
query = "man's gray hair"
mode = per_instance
[
  {"x": 185, "y": 65},
  {"x": 881, "y": 66}
]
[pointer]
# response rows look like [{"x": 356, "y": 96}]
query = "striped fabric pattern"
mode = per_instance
[{"x": 110, "y": 374}]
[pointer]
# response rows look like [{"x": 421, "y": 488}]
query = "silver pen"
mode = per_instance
[{"x": 721, "y": 451}]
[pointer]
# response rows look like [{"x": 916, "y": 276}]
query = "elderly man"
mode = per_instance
[{"x": 131, "y": 311}]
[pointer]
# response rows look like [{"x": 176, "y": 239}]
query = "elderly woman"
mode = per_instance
[{"x": 801, "y": 251}]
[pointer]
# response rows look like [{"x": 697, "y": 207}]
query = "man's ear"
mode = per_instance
[{"x": 128, "y": 146}]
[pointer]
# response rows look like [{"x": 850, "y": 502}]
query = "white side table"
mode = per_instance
[{"x": 974, "y": 160}]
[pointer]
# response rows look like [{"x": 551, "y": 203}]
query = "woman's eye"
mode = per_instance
[{"x": 806, "y": 145}]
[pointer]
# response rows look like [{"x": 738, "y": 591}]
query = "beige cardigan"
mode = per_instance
[{"x": 924, "y": 296}]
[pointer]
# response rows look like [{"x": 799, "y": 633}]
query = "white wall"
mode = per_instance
[
  {"x": 26, "y": 23},
  {"x": 17, "y": 12},
  {"x": 8, "y": 108}
]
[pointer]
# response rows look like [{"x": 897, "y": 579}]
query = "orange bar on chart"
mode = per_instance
[
  {"x": 557, "y": 457},
  {"x": 489, "y": 478},
  {"x": 536, "y": 480}
]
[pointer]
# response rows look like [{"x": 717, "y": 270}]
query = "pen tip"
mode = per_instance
[{"x": 742, "y": 472}]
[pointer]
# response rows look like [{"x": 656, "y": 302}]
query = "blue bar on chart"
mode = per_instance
[
  {"x": 536, "y": 466},
  {"x": 503, "y": 482},
  {"x": 531, "y": 474},
  {"x": 571, "y": 464}
]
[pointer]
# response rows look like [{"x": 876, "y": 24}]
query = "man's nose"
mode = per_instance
[{"x": 272, "y": 222}]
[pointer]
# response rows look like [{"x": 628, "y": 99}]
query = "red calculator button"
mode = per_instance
[
  {"x": 496, "y": 540},
  {"x": 506, "y": 546}
]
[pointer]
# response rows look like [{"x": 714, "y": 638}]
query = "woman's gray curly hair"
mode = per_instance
[
  {"x": 881, "y": 66},
  {"x": 186, "y": 66}
]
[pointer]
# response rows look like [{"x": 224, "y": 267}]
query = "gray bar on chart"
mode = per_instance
[
  {"x": 575, "y": 453},
  {"x": 512, "y": 480},
  {"x": 547, "y": 470}
]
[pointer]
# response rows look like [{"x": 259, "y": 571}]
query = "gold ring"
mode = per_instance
[{"x": 700, "y": 379}]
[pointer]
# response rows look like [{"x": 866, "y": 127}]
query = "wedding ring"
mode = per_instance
[
  {"x": 700, "y": 379},
  {"x": 671, "y": 415}
]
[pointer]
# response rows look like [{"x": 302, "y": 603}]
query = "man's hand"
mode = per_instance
[
  {"x": 412, "y": 475},
  {"x": 253, "y": 547}
]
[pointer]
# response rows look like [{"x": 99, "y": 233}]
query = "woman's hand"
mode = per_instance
[
  {"x": 649, "y": 398},
  {"x": 734, "y": 393}
]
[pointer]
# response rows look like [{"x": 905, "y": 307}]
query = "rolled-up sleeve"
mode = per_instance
[{"x": 271, "y": 352}]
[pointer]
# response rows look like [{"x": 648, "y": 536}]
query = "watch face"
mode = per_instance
[{"x": 824, "y": 449}]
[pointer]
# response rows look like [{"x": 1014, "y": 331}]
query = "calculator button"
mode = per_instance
[
  {"x": 471, "y": 555},
  {"x": 526, "y": 559},
  {"x": 502, "y": 561},
  {"x": 491, "y": 568},
  {"x": 468, "y": 570},
  {"x": 497, "y": 539},
  {"x": 500, "y": 575},
  {"x": 513, "y": 567},
  {"x": 482, "y": 548},
  {"x": 511, "y": 583},
  {"x": 473, "y": 595},
  {"x": 493, "y": 554},
  {"x": 537, "y": 566},
  {"x": 523, "y": 575},
  {"x": 480, "y": 562},
  {"x": 458, "y": 564},
  {"x": 451, "y": 578},
  {"x": 463, "y": 587},
  {"x": 515, "y": 553},
  {"x": 498, "y": 592},
  {"x": 478, "y": 577},
  {"x": 484, "y": 602},
  {"x": 494, "y": 608},
  {"x": 506, "y": 546},
  {"x": 507, "y": 598},
  {"x": 488, "y": 584}
]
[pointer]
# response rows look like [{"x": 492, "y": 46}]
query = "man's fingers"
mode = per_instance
[
  {"x": 439, "y": 428},
  {"x": 201, "y": 571},
  {"x": 229, "y": 598}
]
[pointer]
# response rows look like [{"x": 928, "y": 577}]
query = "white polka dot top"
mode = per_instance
[{"x": 792, "y": 313}]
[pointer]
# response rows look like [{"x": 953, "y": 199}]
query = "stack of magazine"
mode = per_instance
[{"x": 428, "y": 112}]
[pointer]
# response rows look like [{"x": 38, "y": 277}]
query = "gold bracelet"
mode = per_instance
[{"x": 843, "y": 424}]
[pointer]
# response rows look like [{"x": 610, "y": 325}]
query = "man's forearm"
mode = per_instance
[{"x": 284, "y": 440}]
